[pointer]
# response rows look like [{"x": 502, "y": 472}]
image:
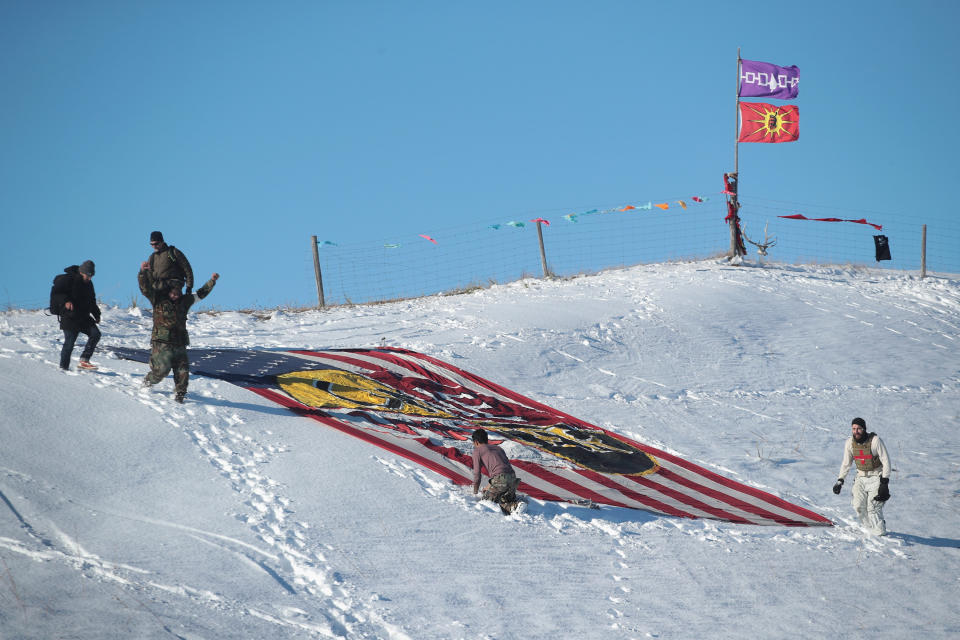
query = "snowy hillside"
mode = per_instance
[{"x": 125, "y": 515}]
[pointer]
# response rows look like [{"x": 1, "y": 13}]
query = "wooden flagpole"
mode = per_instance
[
  {"x": 736, "y": 122},
  {"x": 733, "y": 202}
]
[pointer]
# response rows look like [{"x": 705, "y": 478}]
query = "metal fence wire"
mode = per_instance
[{"x": 461, "y": 258}]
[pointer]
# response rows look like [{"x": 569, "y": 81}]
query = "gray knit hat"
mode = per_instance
[{"x": 87, "y": 268}]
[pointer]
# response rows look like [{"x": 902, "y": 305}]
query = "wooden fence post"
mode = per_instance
[
  {"x": 316, "y": 271},
  {"x": 923, "y": 253},
  {"x": 543, "y": 254}
]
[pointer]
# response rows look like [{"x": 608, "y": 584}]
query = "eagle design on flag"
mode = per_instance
[{"x": 425, "y": 410}]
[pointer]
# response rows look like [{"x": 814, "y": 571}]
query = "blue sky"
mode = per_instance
[{"x": 239, "y": 129}]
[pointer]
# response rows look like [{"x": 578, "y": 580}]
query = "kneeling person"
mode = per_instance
[
  {"x": 169, "y": 340},
  {"x": 502, "y": 488}
]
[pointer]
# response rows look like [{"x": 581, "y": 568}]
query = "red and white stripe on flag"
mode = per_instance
[{"x": 672, "y": 486}]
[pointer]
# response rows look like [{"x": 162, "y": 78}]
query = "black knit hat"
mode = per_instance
[
  {"x": 87, "y": 268},
  {"x": 156, "y": 236},
  {"x": 859, "y": 421}
]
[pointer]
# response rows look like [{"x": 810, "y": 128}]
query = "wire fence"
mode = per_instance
[
  {"x": 466, "y": 257},
  {"x": 801, "y": 241},
  {"x": 478, "y": 255}
]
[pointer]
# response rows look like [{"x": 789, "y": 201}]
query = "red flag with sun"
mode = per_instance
[{"x": 762, "y": 122}]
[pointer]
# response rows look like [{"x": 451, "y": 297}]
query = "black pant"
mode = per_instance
[{"x": 70, "y": 338}]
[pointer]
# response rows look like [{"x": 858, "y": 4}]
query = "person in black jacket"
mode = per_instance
[{"x": 79, "y": 313}]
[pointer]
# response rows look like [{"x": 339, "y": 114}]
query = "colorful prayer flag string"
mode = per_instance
[
  {"x": 570, "y": 217},
  {"x": 573, "y": 217}
]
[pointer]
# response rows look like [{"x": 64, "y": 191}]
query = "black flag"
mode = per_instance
[{"x": 883, "y": 247}]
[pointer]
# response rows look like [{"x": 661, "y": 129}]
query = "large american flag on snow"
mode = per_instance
[{"x": 425, "y": 410}]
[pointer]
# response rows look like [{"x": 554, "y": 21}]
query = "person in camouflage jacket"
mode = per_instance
[
  {"x": 169, "y": 340},
  {"x": 168, "y": 266}
]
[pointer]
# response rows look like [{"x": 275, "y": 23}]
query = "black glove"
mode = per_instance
[
  {"x": 884, "y": 493},
  {"x": 836, "y": 487}
]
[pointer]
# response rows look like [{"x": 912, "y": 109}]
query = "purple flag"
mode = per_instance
[{"x": 765, "y": 80}]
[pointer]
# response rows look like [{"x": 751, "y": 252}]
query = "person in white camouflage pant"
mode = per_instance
[{"x": 871, "y": 488}]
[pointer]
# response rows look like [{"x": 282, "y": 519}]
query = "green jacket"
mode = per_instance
[
  {"x": 169, "y": 263},
  {"x": 169, "y": 317}
]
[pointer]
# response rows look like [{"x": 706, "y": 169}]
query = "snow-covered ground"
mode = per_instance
[{"x": 125, "y": 515}]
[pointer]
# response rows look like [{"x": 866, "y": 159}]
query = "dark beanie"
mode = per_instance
[
  {"x": 87, "y": 268},
  {"x": 156, "y": 236},
  {"x": 859, "y": 421}
]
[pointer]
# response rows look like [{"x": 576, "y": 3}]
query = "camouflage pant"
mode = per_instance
[
  {"x": 502, "y": 488},
  {"x": 163, "y": 358}
]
